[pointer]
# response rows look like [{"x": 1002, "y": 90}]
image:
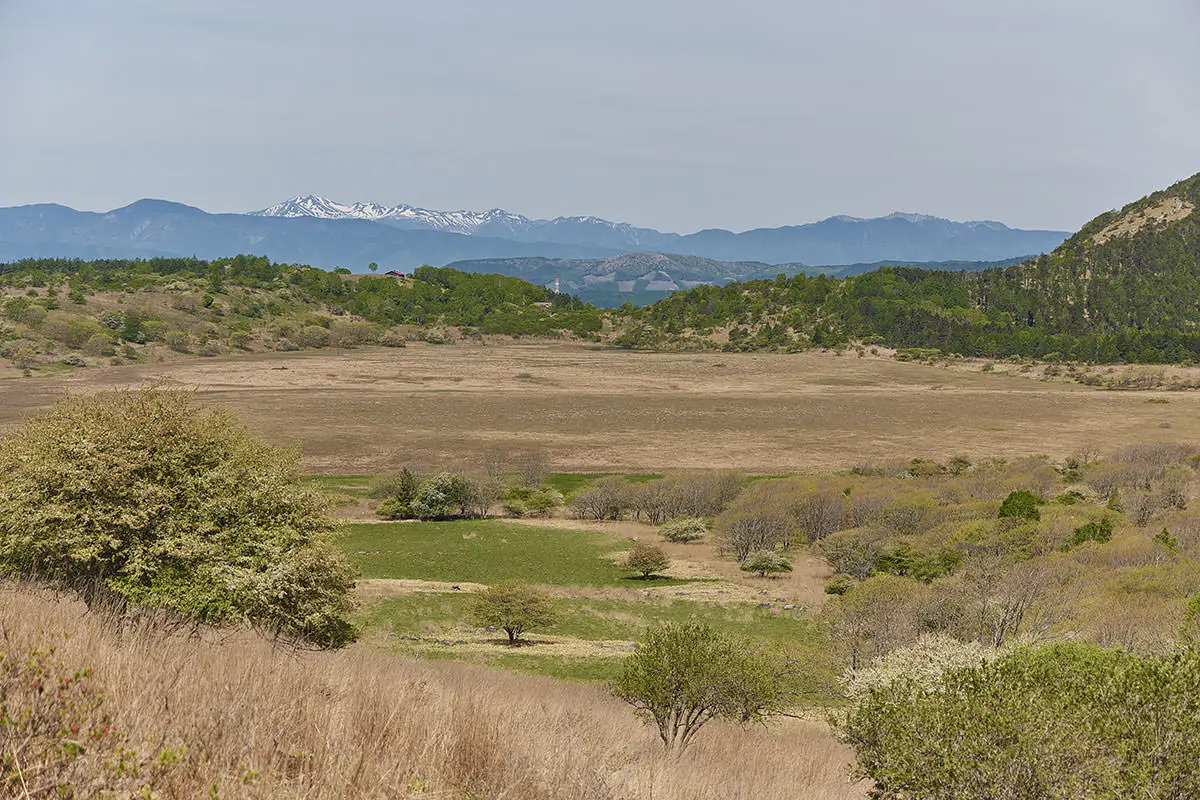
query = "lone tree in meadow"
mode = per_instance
[
  {"x": 513, "y": 608},
  {"x": 766, "y": 562},
  {"x": 647, "y": 559},
  {"x": 139, "y": 501},
  {"x": 682, "y": 676}
]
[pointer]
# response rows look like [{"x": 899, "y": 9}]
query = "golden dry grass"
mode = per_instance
[
  {"x": 372, "y": 410},
  {"x": 262, "y": 723}
]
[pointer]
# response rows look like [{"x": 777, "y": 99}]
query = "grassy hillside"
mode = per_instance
[{"x": 1122, "y": 289}]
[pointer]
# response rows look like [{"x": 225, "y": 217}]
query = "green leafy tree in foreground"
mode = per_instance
[
  {"x": 513, "y": 608},
  {"x": 647, "y": 559},
  {"x": 766, "y": 562},
  {"x": 137, "y": 500},
  {"x": 682, "y": 676}
]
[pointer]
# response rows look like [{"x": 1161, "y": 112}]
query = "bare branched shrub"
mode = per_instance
[
  {"x": 698, "y": 495},
  {"x": 739, "y": 535},
  {"x": 819, "y": 514},
  {"x": 610, "y": 498}
]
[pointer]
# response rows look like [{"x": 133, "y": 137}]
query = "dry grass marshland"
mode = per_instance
[{"x": 373, "y": 410}]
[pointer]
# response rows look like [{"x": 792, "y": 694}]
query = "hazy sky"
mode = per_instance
[{"x": 675, "y": 114}]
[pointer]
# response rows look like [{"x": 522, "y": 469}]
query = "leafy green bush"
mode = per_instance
[
  {"x": 137, "y": 500},
  {"x": 1100, "y": 531},
  {"x": 1067, "y": 720},
  {"x": 1021, "y": 504},
  {"x": 647, "y": 559},
  {"x": 520, "y": 501},
  {"x": 447, "y": 494}
]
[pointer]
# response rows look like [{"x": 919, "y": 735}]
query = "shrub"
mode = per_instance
[
  {"x": 136, "y": 500},
  {"x": 682, "y": 676},
  {"x": 688, "y": 529},
  {"x": 396, "y": 492},
  {"x": 839, "y": 584},
  {"x": 610, "y": 498},
  {"x": 312, "y": 336},
  {"x": 1100, "y": 531},
  {"x": 766, "y": 562},
  {"x": 743, "y": 534},
  {"x": 647, "y": 559},
  {"x": 513, "y": 608},
  {"x": 100, "y": 344},
  {"x": 113, "y": 319},
  {"x": 850, "y": 554},
  {"x": 1021, "y": 504},
  {"x": 519, "y": 501},
  {"x": 1067, "y": 720},
  {"x": 449, "y": 493},
  {"x": 56, "y": 738}
]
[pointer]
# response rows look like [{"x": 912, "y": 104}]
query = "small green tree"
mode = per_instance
[
  {"x": 647, "y": 559},
  {"x": 766, "y": 562},
  {"x": 514, "y": 608},
  {"x": 138, "y": 500},
  {"x": 444, "y": 495},
  {"x": 688, "y": 529},
  {"x": 682, "y": 676}
]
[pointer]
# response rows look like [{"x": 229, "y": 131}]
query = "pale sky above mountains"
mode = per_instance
[{"x": 664, "y": 113}]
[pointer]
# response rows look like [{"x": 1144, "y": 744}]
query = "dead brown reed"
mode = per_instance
[{"x": 254, "y": 721}]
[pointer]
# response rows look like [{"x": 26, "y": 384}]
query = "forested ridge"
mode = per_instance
[
  {"x": 51, "y": 308},
  {"x": 1124, "y": 288}
]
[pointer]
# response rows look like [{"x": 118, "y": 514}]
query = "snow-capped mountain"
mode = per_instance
[
  {"x": 495, "y": 222},
  {"x": 465, "y": 222}
]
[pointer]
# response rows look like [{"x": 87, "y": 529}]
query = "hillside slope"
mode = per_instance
[
  {"x": 1124, "y": 288},
  {"x": 63, "y": 312}
]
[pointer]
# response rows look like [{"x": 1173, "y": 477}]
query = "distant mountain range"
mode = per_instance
[
  {"x": 836, "y": 240},
  {"x": 577, "y": 251}
]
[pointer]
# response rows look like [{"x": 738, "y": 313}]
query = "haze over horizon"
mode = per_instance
[{"x": 676, "y": 116}]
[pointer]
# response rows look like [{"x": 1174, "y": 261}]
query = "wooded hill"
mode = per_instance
[
  {"x": 69, "y": 310},
  {"x": 1125, "y": 288}
]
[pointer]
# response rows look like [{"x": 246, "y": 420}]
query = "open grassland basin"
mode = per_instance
[
  {"x": 984, "y": 509},
  {"x": 374, "y": 410}
]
